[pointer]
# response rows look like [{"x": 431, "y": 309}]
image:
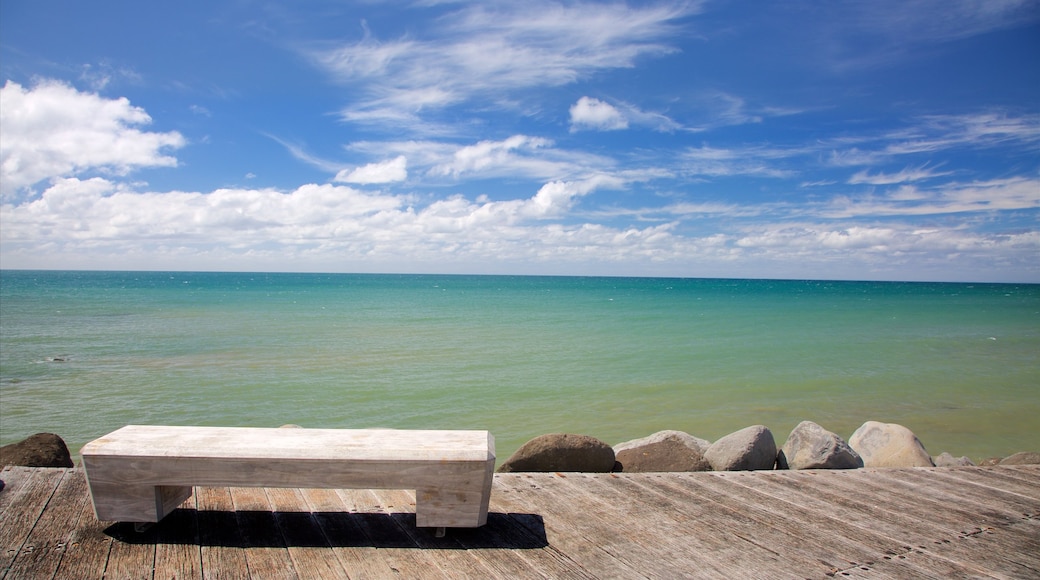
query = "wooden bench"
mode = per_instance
[{"x": 141, "y": 473}]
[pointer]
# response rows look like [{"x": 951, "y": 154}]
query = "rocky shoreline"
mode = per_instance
[{"x": 808, "y": 446}]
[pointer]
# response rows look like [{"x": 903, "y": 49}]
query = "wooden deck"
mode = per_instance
[{"x": 869, "y": 523}]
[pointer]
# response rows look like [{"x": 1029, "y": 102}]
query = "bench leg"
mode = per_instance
[
  {"x": 120, "y": 502},
  {"x": 455, "y": 508}
]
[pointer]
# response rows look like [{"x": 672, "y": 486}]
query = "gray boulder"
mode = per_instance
[
  {"x": 810, "y": 446},
  {"x": 561, "y": 452},
  {"x": 889, "y": 445},
  {"x": 39, "y": 450},
  {"x": 662, "y": 451},
  {"x": 751, "y": 448},
  {"x": 946, "y": 459},
  {"x": 1021, "y": 458}
]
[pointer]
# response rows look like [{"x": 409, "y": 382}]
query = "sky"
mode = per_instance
[{"x": 884, "y": 140}]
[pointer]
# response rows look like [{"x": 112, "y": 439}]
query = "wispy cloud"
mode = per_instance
[
  {"x": 908, "y": 174},
  {"x": 976, "y": 131},
  {"x": 301, "y": 153},
  {"x": 857, "y": 35},
  {"x": 517, "y": 156},
  {"x": 390, "y": 171},
  {"x": 934, "y": 134},
  {"x": 710, "y": 161},
  {"x": 510, "y": 156},
  {"x": 492, "y": 51},
  {"x": 1018, "y": 193},
  {"x": 589, "y": 113}
]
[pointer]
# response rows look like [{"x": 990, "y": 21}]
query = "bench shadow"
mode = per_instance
[{"x": 266, "y": 529}]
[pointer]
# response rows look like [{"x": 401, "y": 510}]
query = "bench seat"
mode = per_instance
[{"x": 140, "y": 473}]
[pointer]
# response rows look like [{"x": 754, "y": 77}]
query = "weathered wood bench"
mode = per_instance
[{"x": 141, "y": 473}]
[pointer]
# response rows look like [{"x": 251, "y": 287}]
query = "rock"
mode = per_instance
[
  {"x": 1021, "y": 458},
  {"x": 662, "y": 451},
  {"x": 39, "y": 450},
  {"x": 889, "y": 445},
  {"x": 290, "y": 426},
  {"x": 751, "y": 448},
  {"x": 947, "y": 460},
  {"x": 561, "y": 452},
  {"x": 810, "y": 446}
]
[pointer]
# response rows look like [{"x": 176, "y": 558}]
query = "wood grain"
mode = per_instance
[{"x": 869, "y": 523}]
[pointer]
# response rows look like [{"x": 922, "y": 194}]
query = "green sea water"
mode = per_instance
[{"x": 83, "y": 353}]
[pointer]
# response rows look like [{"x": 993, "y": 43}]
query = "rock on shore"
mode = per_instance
[
  {"x": 749, "y": 449},
  {"x": 889, "y": 445},
  {"x": 561, "y": 452},
  {"x": 1021, "y": 458},
  {"x": 39, "y": 450},
  {"x": 662, "y": 451},
  {"x": 810, "y": 446},
  {"x": 946, "y": 459}
]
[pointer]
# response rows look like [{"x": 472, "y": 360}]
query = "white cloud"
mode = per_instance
[
  {"x": 84, "y": 222},
  {"x": 74, "y": 216},
  {"x": 933, "y": 134},
  {"x": 751, "y": 161},
  {"x": 908, "y": 174},
  {"x": 509, "y": 156},
  {"x": 979, "y": 130},
  {"x": 1019, "y": 193},
  {"x": 590, "y": 113},
  {"x": 492, "y": 51},
  {"x": 390, "y": 171},
  {"x": 879, "y": 251},
  {"x": 53, "y": 130}
]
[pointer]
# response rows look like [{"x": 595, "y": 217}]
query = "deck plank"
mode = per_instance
[
  {"x": 350, "y": 545},
  {"x": 692, "y": 536},
  {"x": 222, "y": 553},
  {"x": 600, "y": 544},
  {"x": 530, "y": 530},
  {"x": 306, "y": 544},
  {"x": 728, "y": 508},
  {"x": 1022, "y": 477},
  {"x": 177, "y": 550},
  {"x": 45, "y": 545},
  {"x": 866, "y": 523},
  {"x": 132, "y": 560},
  {"x": 25, "y": 505},
  {"x": 15, "y": 479},
  {"x": 859, "y": 518},
  {"x": 454, "y": 560},
  {"x": 399, "y": 551},
  {"x": 526, "y": 493},
  {"x": 266, "y": 554},
  {"x": 88, "y": 546}
]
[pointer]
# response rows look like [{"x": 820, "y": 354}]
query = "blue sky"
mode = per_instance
[{"x": 891, "y": 140}]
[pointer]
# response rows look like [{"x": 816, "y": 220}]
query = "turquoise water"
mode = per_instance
[{"x": 83, "y": 353}]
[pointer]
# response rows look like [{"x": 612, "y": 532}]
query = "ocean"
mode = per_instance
[{"x": 83, "y": 353}]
